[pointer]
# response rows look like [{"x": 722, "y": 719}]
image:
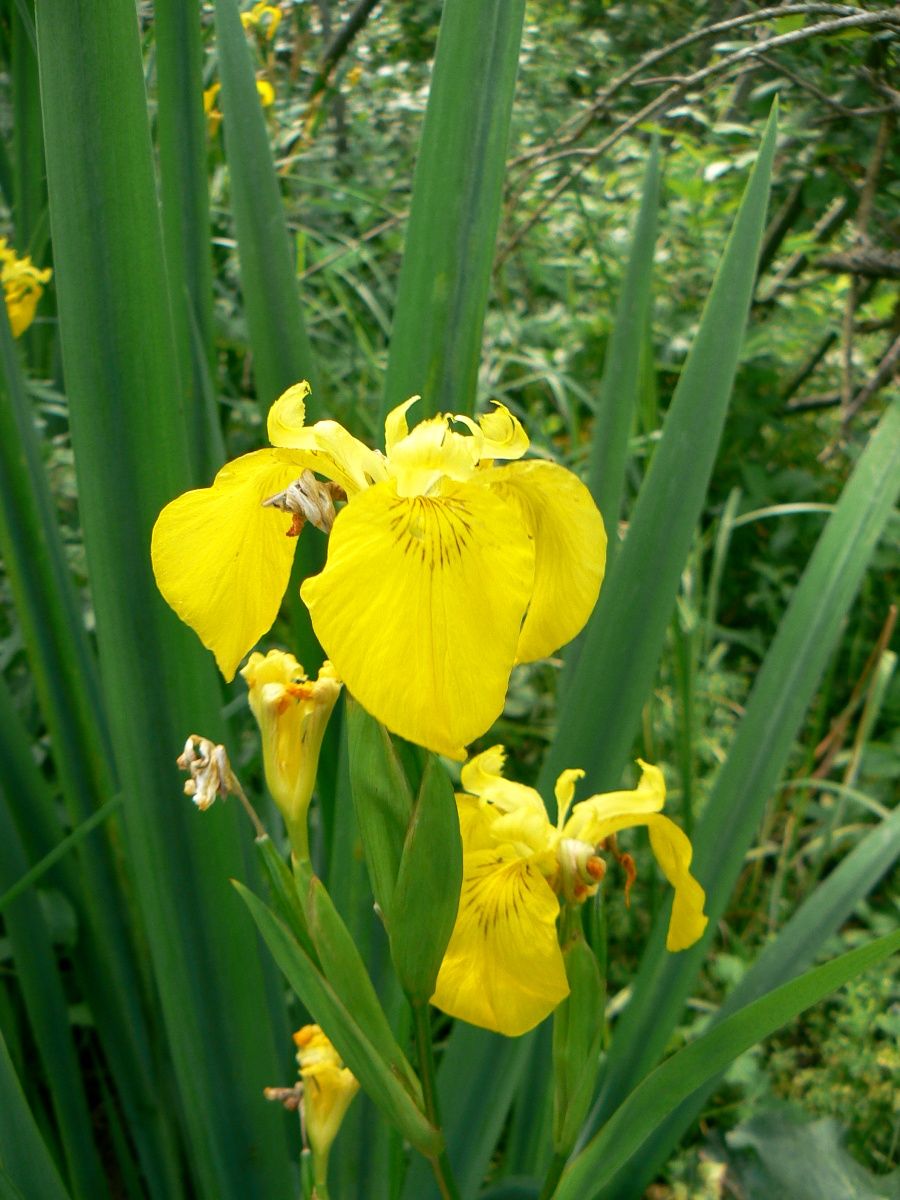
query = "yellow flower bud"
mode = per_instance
[
  {"x": 292, "y": 713},
  {"x": 328, "y": 1089}
]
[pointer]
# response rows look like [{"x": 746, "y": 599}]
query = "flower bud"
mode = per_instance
[
  {"x": 328, "y": 1089},
  {"x": 292, "y": 713}
]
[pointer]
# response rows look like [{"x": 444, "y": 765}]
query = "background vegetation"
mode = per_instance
[{"x": 596, "y": 82}]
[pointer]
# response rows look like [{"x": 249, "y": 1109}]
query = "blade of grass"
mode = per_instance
[
  {"x": 129, "y": 437},
  {"x": 618, "y": 393},
  {"x": 75, "y": 838},
  {"x": 66, "y": 681},
  {"x": 282, "y": 354},
  {"x": 817, "y": 919},
  {"x": 36, "y": 974},
  {"x": 184, "y": 195},
  {"x": 26, "y": 1165},
  {"x": 445, "y": 278},
  {"x": 625, "y": 635},
  {"x": 783, "y": 690},
  {"x": 691, "y": 1067}
]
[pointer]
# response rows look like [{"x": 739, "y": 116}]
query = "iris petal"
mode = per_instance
[
  {"x": 570, "y": 550},
  {"x": 338, "y": 455},
  {"x": 221, "y": 560},
  {"x": 419, "y": 608},
  {"x": 503, "y": 969}
]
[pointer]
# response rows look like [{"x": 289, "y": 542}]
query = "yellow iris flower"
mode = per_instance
[
  {"x": 22, "y": 287},
  {"x": 443, "y": 569},
  {"x": 504, "y": 967},
  {"x": 264, "y": 90},
  {"x": 262, "y": 17}
]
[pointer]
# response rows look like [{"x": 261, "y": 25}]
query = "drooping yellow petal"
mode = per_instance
[
  {"x": 221, "y": 560},
  {"x": 419, "y": 608},
  {"x": 503, "y": 969},
  {"x": 601, "y": 816},
  {"x": 673, "y": 852},
  {"x": 570, "y": 550},
  {"x": 338, "y": 454}
]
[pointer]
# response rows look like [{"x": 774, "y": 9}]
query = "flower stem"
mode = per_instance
[
  {"x": 555, "y": 1171},
  {"x": 440, "y": 1164}
]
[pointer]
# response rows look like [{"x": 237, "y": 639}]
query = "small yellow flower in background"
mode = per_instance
[
  {"x": 22, "y": 287},
  {"x": 292, "y": 713},
  {"x": 263, "y": 18},
  {"x": 266, "y": 92},
  {"x": 504, "y": 967},
  {"x": 354, "y": 75},
  {"x": 328, "y": 1089},
  {"x": 264, "y": 89},
  {"x": 444, "y": 570}
]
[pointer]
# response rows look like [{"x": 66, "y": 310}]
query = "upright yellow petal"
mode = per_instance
[
  {"x": 419, "y": 608},
  {"x": 596, "y": 818},
  {"x": 395, "y": 425},
  {"x": 503, "y": 969},
  {"x": 338, "y": 454},
  {"x": 570, "y": 550},
  {"x": 499, "y": 433},
  {"x": 221, "y": 560}
]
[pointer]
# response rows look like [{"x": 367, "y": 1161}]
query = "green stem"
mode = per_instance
[
  {"x": 553, "y": 1176},
  {"x": 440, "y": 1164}
]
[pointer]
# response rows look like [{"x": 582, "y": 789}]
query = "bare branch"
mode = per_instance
[{"x": 658, "y": 106}]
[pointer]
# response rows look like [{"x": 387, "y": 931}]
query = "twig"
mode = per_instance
[
  {"x": 578, "y": 124},
  {"x": 339, "y": 44},
  {"x": 882, "y": 375},
  {"x": 829, "y": 101},
  {"x": 656, "y": 107},
  {"x": 833, "y": 216},
  {"x": 870, "y": 261},
  {"x": 887, "y": 368},
  {"x": 866, "y": 200}
]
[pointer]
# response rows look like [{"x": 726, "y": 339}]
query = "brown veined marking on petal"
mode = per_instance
[{"x": 421, "y": 522}]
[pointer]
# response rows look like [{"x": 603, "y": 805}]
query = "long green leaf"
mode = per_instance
[
  {"x": 26, "y": 1164},
  {"x": 625, "y": 635},
  {"x": 820, "y": 916},
  {"x": 689, "y": 1069},
  {"x": 282, "y": 354},
  {"x": 47, "y": 1009},
  {"x": 477, "y": 1081},
  {"x": 281, "y": 351},
  {"x": 184, "y": 193},
  {"x": 446, "y": 272},
  {"x": 130, "y": 443},
  {"x": 66, "y": 680},
  {"x": 372, "y": 1071},
  {"x": 617, "y": 398},
  {"x": 780, "y": 697}
]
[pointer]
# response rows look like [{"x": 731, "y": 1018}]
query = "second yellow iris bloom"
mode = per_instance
[
  {"x": 504, "y": 967},
  {"x": 444, "y": 570}
]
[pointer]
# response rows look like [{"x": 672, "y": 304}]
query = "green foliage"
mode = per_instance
[{"x": 491, "y": 250}]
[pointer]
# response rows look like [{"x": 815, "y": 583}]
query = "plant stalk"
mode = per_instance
[{"x": 440, "y": 1164}]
